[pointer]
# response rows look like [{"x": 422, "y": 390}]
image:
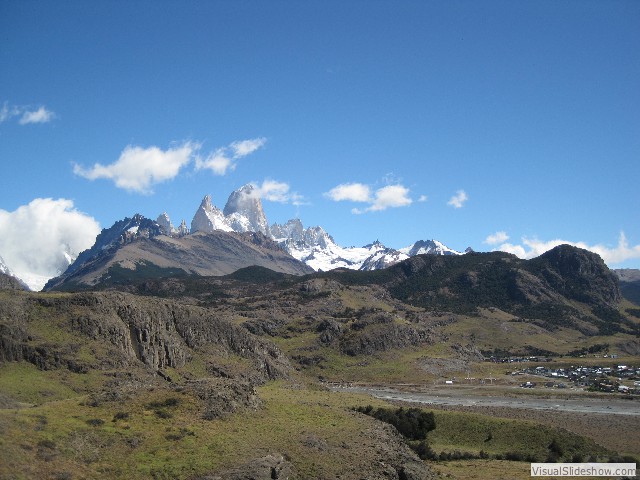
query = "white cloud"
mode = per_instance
[
  {"x": 7, "y": 112},
  {"x": 27, "y": 116},
  {"x": 37, "y": 239},
  {"x": 423, "y": 198},
  {"x": 225, "y": 159},
  {"x": 531, "y": 248},
  {"x": 218, "y": 162},
  {"x": 354, "y": 192},
  {"x": 139, "y": 168},
  {"x": 42, "y": 115},
  {"x": 246, "y": 147},
  {"x": 496, "y": 238},
  {"x": 275, "y": 191},
  {"x": 457, "y": 201},
  {"x": 391, "y": 196}
]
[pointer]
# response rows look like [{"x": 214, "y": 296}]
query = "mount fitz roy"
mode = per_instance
[
  {"x": 313, "y": 245},
  {"x": 220, "y": 242}
]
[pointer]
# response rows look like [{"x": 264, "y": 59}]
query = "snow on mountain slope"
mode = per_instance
[
  {"x": 209, "y": 218},
  {"x": 432, "y": 247},
  {"x": 318, "y": 249},
  {"x": 382, "y": 259},
  {"x": 244, "y": 211},
  {"x": 4, "y": 269}
]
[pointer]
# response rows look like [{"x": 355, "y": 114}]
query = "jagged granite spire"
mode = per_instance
[
  {"x": 244, "y": 211},
  {"x": 165, "y": 224},
  {"x": 209, "y": 218}
]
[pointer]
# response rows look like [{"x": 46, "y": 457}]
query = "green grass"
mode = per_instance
[
  {"x": 131, "y": 440},
  {"x": 474, "y": 432},
  {"x": 117, "y": 440},
  {"x": 23, "y": 382}
]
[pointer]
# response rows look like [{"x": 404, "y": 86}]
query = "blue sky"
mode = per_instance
[{"x": 369, "y": 117}]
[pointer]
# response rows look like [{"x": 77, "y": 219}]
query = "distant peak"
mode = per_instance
[
  {"x": 247, "y": 188},
  {"x": 377, "y": 243},
  {"x": 206, "y": 202}
]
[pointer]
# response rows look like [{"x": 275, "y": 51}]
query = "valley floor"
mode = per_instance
[{"x": 613, "y": 423}]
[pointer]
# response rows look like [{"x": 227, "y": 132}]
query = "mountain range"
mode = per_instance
[{"x": 219, "y": 242}]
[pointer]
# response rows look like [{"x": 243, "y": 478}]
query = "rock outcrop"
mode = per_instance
[{"x": 136, "y": 330}]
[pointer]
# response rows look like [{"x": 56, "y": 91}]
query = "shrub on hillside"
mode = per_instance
[{"x": 412, "y": 423}]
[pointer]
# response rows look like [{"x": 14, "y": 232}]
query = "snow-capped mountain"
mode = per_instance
[
  {"x": 432, "y": 247},
  {"x": 318, "y": 249},
  {"x": 383, "y": 258},
  {"x": 109, "y": 239},
  {"x": 242, "y": 213},
  {"x": 313, "y": 245},
  {"x": 208, "y": 218}
]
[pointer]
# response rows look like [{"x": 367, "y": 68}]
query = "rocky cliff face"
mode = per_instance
[{"x": 136, "y": 331}]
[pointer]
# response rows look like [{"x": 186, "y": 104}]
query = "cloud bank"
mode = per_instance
[
  {"x": 391, "y": 196},
  {"x": 38, "y": 240},
  {"x": 531, "y": 248}
]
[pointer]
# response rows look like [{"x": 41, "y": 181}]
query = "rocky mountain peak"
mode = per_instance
[
  {"x": 244, "y": 211},
  {"x": 578, "y": 274},
  {"x": 165, "y": 224},
  {"x": 206, "y": 203},
  {"x": 209, "y": 218},
  {"x": 432, "y": 247},
  {"x": 110, "y": 239},
  {"x": 292, "y": 230}
]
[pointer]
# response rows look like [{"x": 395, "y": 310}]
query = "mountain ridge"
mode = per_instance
[
  {"x": 137, "y": 248},
  {"x": 242, "y": 214}
]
